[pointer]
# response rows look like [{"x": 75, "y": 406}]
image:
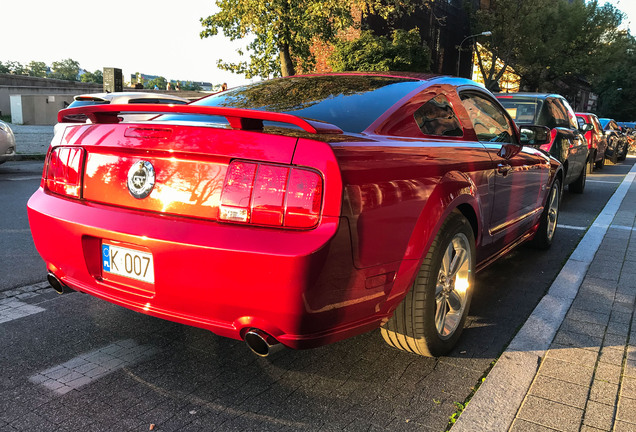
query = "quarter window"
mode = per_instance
[
  {"x": 436, "y": 117},
  {"x": 489, "y": 121}
]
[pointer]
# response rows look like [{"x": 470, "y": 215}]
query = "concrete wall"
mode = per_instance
[
  {"x": 25, "y": 85},
  {"x": 11, "y": 85},
  {"x": 37, "y": 109}
]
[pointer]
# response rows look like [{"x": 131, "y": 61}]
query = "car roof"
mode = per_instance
[
  {"x": 529, "y": 95},
  {"x": 107, "y": 97},
  {"x": 586, "y": 114}
]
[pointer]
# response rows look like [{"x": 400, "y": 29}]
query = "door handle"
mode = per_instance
[{"x": 503, "y": 169}]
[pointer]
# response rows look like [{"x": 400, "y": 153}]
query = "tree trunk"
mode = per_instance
[{"x": 286, "y": 64}]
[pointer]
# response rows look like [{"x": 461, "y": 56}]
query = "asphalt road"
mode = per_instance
[
  {"x": 74, "y": 362},
  {"x": 20, "y": 263}
]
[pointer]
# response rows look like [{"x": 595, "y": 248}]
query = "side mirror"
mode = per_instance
[
  {"x": 535, "y": 135},
  {"x": 586, "y": 127}
]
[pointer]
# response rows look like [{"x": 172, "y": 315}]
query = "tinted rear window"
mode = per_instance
[
  {"x": 80, "y": 103},
  {"x": 350, "y": 102}
]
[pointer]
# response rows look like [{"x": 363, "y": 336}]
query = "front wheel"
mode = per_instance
[
  {"x": 431, "y": 317},
  {"x": 547, "y": 225},
  {"x": 623, "y": 154},
  {"x": 601, "y": 163},
  {"x": 578, "y": 186},
  {"x": 590, "y": 163}
]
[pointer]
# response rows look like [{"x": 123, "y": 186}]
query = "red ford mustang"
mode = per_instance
[{"x": 298, "y": 211}]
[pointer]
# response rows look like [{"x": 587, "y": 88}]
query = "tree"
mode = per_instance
[
  {"x": 616, "y": 84},
  {"x": 284, "y": 31},
  {"x": 160, "y": 82},
  {"x": 37, "y": 69},
  {"x": 93, "y": 77},
  {"x": 13, "y": 67},
  {"x": 65, "y": 70},
  {"x": 547, "y": 42},
  {"x": 404, "y": 51},
  {"x": 191, "y": 86}
]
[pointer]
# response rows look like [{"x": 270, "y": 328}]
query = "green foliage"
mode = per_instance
[
  {"x": 67, "y": 69},
  {"x": 282, "y": 32},
  {"x": 616, "y": 87},
  {"x": 160, "y": 82},
  {"x": 190, "y": 86},
  {"x": 404, "y": 51},
  {"x": 96, "y": 77},
  {"x": 548, "y": 42},
  {"x": 37, "y": 69},
  {"x": 13, "y": 67}
]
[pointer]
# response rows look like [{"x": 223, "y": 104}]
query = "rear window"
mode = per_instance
[
  {"x": 87, "y": 102},
  {"x": 523, "y": 111},
  {"x": 156, "y": 101},
  {"x": 351, "y": 102}
]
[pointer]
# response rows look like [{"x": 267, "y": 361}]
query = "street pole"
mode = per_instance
[{"x": 459, "y": 48}]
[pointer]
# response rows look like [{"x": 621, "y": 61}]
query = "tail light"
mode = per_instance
[
  {"x": 63, "y": 171},
  {"x": 271, "y": 195}
]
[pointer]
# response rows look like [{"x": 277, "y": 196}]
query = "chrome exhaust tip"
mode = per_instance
[
  {"x": 261, "y": 343},
  {"x": 57, "y": 285}
]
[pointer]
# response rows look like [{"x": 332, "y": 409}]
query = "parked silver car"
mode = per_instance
[
  {"x": 7, "y": 142},
  {"x": 122, "y": 98}
]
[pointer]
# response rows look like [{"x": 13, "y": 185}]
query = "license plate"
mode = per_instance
[{"x": 127, "y": 262}]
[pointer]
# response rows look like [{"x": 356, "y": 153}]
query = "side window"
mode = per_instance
[
  {"x": 557, "y": 113},
  {"x": 436, "y": 117},
  {"x": 489, "y": 121},
  {"x": 570, "y": 113},
  {"x": 581, "y": 122}
]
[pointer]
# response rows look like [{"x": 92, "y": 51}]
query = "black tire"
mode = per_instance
[
  {"x": 431, "y": 317},
  {"x": 547, "y": 226},
  {"x": 623, "y": 154},
  {"x": 614, "y": 157},
  {"x": 600, "y": 164},
  {"x": 590, "y": 163},
  {"x": 578, "y": 185}
]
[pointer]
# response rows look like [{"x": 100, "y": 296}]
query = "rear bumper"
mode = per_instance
[{"x": 299, "y": 286}]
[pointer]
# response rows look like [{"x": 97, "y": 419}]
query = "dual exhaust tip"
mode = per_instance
[
  {"x": 261, "y": 343},
  {"x": 57, "y": 284}
]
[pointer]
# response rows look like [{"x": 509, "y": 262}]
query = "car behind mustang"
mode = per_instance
[{"x": 297, "y": 211}]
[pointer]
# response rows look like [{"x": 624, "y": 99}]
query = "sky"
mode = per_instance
[
  {"x": 155, "y": 38},
  {"x": 160, "y": 37},
  {"x": 629, "y": 8}
]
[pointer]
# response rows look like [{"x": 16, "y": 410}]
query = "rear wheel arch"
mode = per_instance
[
  {"x": 448, "y": 196},
  {"x": 471, "y": 216}
]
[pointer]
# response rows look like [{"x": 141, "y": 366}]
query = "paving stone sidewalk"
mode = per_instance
[
  {"x": 584, "y": 378},
  {"x": 587, "y": 379}
]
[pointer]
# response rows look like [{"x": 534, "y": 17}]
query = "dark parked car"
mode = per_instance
[
  {"x": 298, "y": 211},
  {"x": 591, "y": 127},
  {"x": 565, "y": 143},
  {"x": 617, "y": 144}
]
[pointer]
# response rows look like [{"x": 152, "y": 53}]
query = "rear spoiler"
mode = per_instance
[{"x": 238, "y": 118}]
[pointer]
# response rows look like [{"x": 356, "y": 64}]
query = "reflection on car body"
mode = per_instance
[{"x": 298, "y": 211}]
